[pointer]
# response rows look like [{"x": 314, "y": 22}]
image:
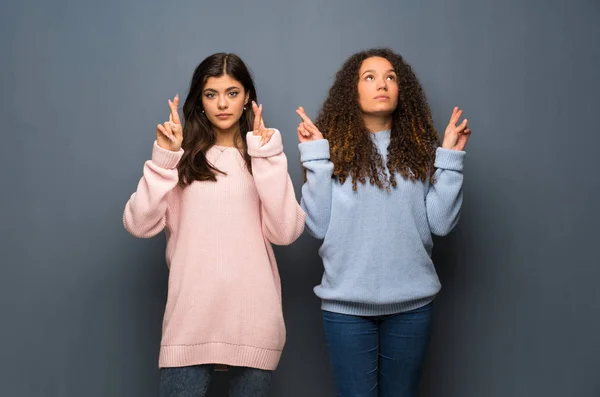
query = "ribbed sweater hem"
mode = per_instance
[
  {"x": 218, "y": 353},
  {"x": 370, "y": 309}
]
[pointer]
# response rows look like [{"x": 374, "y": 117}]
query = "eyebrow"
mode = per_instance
[
  {"x": 227, "y": 90},
  {"x": 372, "y": 71}
]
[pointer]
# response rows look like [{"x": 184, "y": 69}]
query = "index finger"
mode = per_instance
[
  {"x": 302, "y": 114},
  {"x": 173, "y": 106},
  {"x": 257, "y": 116},
  {"x": 262, "y": 121},
  {"x": 455, "y": 115}
]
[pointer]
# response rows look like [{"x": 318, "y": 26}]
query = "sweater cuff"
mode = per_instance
[
  {"x": 164, "y": 158},
  {"x": 270, "y": 149},
  {"x": 448, "y": 159},
  {"x": 314, "y": 150}
]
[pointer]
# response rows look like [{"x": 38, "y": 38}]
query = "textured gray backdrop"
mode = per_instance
[{"x": 84, "y": 83}]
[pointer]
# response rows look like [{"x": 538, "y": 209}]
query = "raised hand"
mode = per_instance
[
  {"x": 259, "y": 125},
  {"x": 169, "y": 135},
  {"x": 456, "y": 136},
  {"x": 307, "y": 131}
]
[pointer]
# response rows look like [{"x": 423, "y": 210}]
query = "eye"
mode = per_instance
[
  {"x": 233, "y": 94},
  {"x": 210, "y": 95},
  {"x": 369, "y": 77},
  {"x": 391, "y": 77}
]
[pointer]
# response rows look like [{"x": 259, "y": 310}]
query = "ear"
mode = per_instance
[{"x": 247, "y": 98}]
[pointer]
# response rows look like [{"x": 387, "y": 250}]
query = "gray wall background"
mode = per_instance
[{"x": 84, "y": 83}]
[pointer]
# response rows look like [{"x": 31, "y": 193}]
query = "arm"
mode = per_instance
[
  {"x": 282, "y": 217},
  {"x": 316, "y": 191},
  {"x": 444, "y": 198},
  {"x": 144, "y": 214}
]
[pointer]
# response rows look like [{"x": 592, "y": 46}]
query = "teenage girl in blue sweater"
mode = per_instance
[{"x": 378, "y": 185}]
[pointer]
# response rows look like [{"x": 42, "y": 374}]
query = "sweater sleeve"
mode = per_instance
[
  {"x": 145, "y": 212},
  {"x": 444, "y": 198},
  {"x": 282, "y": 217},
  {"x": 317, "y": 190}
]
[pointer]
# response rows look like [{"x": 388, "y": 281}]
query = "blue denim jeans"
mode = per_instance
[
  {"x": 378, "y": 356},
  {"x": 193, "y": 381}
]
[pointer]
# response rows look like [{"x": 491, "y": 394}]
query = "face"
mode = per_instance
[
  {"x": 377, "y": 87},
  {"x": 223, "y": 100}
]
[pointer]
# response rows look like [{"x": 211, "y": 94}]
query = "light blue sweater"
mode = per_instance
[{"x": 377, "y": 245}]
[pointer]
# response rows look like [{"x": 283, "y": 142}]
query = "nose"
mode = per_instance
[
  {"x": 382, "y": 84},
  {"x": 222, "y": 104}
]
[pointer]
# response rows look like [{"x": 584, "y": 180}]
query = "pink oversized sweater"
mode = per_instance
[{"x": 224, "y": 295}]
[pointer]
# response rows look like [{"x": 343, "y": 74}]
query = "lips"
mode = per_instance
[
  {"x": 382, "y": 97},
  {"x": 223, "y": 116}
]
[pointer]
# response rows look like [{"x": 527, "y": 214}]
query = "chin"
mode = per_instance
[{"x": 381, "y": 111}]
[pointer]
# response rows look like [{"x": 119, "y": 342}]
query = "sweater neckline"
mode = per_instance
[{"x": 380, "y": 136}]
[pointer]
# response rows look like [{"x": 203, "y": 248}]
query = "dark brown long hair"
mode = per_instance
[
  {"x": 198, "y": 133},
  {"x": 413, "y": 141}
]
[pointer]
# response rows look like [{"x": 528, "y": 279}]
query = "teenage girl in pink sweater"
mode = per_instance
[{"x": 218, "y": 185}]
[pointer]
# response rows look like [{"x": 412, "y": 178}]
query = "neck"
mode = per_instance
[
  {"x": 229, "y": 137},
  {"x": 376, "y": 123}
]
